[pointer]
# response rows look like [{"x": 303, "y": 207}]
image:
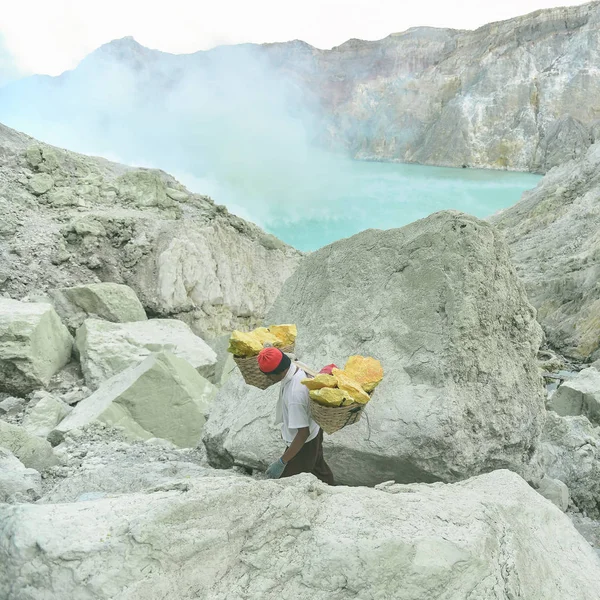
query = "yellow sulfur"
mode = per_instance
[
  {"x": 320, "y": 381},
  {"x": 264, "y": 336},
  {"x": 351, "y": 387},
  {"x": 285, "y": 333},
  {"x": 244, "y": 344},
  {"x": 330, "y": 397},
  {"x": 367, "y": 371}
]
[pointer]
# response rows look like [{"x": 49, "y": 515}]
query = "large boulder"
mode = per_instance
[
  {"x": 17, "y": 482},
  {"x": 570, "y": 452},
  {"x": 439, "y": 304},
  {"x": 553, "y": 236},
  {"x": 109, "y": 301},
  {"x": 489, "y": 538},
  {"x": 163, "y": 397},
  {"x": 32, "y": 451},
  {"x": 579, "y": 396},
  {"x": 106, "y": 348},
  {"x": 34, "y": 345},
  {"x": 45, "y": 415}
]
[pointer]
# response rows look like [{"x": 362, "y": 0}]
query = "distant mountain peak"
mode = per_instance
[{"x": 125, "y": 50}]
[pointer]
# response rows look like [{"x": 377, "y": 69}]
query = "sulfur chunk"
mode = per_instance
[
  {"x": 330, "y": 397},
  {"x": 320, "y": 381},
  {"x": 285, "y": 333},
  {"x": 264, "y": 336},
  {"x": 367, "y": 371},
  {"x": 350, "y": 386},
  {"x": 244, "y": 344}
]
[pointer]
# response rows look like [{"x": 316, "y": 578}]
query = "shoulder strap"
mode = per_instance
[{"x": 305, "y": 368}]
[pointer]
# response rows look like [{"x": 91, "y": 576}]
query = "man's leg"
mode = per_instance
[
  {"x": 310, "y": 460},
  {"x": 321, "y": 468}
]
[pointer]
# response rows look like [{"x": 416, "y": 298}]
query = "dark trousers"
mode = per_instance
[{"x": 310, "y": 460}]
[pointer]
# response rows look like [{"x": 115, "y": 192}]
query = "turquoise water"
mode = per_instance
[{"x": 326, "y": 207}]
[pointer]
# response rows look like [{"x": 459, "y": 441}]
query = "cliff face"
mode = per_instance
[
  {"x": 521, "y": 94},
  {"x": 553, "y": 233},
  {"x": 69, "y": 219}
]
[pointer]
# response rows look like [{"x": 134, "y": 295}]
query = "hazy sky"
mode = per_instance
[{"x": 51, "y": 37}]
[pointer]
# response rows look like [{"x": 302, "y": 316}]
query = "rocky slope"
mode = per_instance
[
  {"x": 231, "y": 537},
  {"x": 69, "y": 219},
  {"x": 553, "y": 233},
  {"x": 519, "y": 94}
]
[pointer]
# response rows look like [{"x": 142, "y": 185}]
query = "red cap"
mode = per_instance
[
  {"x": 269, "y": 359},
  {"x": 328, "y": 369}
]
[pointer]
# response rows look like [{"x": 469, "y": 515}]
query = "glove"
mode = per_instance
[{"x": 276, "y": 469}]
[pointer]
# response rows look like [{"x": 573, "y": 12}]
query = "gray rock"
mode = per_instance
[
  {"x": 164, "y": 397},
  {"x": 106, "y": 348},
  {"x": 225, "y": 365},
  {"x": 11, "y": 406},
  {"x": 110, "y": 301},
  {"x": 439, "y": 304},
  {"x": 570, "y": 452},
  {"x": 31, "y": 450},
  {"x": 579, "y": 396},
  {"x": 555, "y": 491},
  {"x": 552, "y": 234},
  {"x": 34, "y": 345},
  {"x": 489, "y": 537},
  {"x": 177, "y": 195},
  {"x": 47, "y": 413},
  {"x": 17, "y": 483},
  {"x": 41, "y": 183}
]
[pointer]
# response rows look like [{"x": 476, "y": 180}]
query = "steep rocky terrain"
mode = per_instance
[
  {"x": 110, "y": 493},
  {"x": 520, "y": 94},
  {"x": 69, "y": 219},
  {"x": 553, "y": 233}
]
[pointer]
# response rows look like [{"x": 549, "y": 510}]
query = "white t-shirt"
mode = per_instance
[{"x": 293, "y": 407}]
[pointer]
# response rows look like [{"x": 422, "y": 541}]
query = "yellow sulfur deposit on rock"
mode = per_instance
[
  {"x": 285, "y": 333},
  {"x": 350, "y": 386},
  {"x": 367, "y": 371},
  {"x": 330, "y": 397},
  {"x": 244, "y": 344},
  {"x": 320, "y": 381}
]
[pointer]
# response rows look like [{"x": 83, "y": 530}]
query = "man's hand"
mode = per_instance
[{"x": 276, "y": 469}]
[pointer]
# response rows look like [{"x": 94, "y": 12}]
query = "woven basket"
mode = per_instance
[
  {"x": 252, "y": 374},
  {"x": 334, "y": 418}
]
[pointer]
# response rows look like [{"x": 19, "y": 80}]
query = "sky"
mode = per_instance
[{"x": 44, "y": 37}]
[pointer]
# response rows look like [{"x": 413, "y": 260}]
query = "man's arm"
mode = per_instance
[{"x": 296, "y": 445}]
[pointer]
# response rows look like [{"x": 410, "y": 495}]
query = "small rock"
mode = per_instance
[
  {"x": 17, "y": 482},
  {"x": 42, "y": 418},
  {"x": 579, "y": 396},
  {"x": 12, "y": 406},
  {"x": 41, "y": 183},
  {"x": 555, "y": 491},
  {"x": 177, "y": 195},
  {"x": 32, "y": 451}
]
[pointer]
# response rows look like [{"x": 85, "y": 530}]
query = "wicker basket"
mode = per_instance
[
  {"x": 252, "y": 374},
  {"x": 334, "y": 418}
]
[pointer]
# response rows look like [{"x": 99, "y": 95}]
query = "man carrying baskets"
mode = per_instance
[{"x": 302, "y": 436}]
